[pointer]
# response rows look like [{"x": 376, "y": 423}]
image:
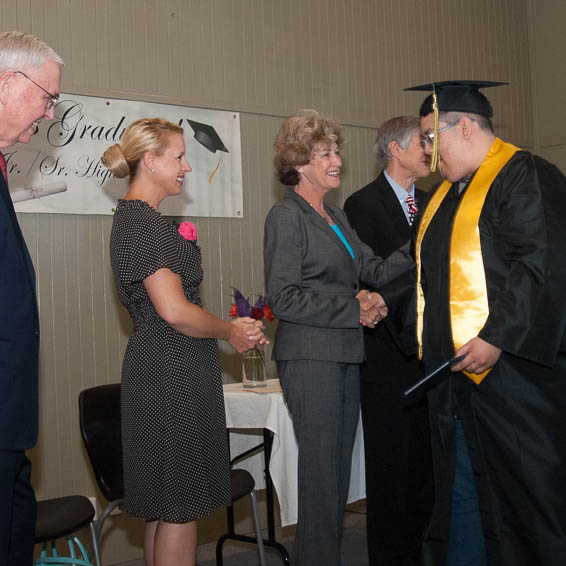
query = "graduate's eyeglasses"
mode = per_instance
[
  {"x": 428, "y": 139},
  {"x": 49, "y": 102}
]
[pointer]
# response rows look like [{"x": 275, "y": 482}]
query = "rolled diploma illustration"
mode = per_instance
[{"x": 21, "y": 194}]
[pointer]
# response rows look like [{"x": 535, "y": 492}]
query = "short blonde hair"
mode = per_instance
[
  {"x": 297, "y": 139},
  {"x": 141, "y": 136},
  {"x": 20, "y": 50}
]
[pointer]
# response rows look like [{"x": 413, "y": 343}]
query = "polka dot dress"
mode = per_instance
[{"x": 176, "y": 463}]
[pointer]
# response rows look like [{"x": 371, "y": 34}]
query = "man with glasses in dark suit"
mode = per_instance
[
  {"x": 396, "y": 438},
  {"x": 30, "y": 77}
]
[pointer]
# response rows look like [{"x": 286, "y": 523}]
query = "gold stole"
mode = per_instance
[{"x": 469, "y": 307}]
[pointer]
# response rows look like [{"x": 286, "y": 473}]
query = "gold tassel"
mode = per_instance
[
  {"x": 216, "y": 169},
  {"x": 434, "y": 158}
]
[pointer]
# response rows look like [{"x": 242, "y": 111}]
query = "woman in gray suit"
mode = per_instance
[{"x": 314, "y": 263}]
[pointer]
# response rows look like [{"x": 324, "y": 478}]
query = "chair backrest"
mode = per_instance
[{"x": 99, "y": 415}]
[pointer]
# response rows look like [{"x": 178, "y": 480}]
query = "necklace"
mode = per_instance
[{"x": 324, "y": 214}]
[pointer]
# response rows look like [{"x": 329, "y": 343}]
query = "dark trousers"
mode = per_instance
[
  {"x": 399, "y": 477},
  {"x": 17, "y": 510},
  {"x": 324, "y": 401}
]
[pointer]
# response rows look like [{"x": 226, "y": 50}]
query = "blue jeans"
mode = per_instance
[{"x": 466, "y": 544}]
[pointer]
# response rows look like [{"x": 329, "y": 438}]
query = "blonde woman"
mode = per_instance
[{"x": 176, "y": 465}]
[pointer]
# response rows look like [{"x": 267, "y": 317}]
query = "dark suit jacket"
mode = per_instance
[
  {"x": 19, "y": 333},
  {"x": 374, "y": 213},
  {"x": 312, "y": 281}
]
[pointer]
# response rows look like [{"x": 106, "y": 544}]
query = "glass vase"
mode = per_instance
[{"x": 253, "y": 369}]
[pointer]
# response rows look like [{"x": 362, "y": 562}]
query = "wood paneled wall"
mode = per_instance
[
  {"x": 547, "y": 47},
  {"x": 265, "y": 59}
]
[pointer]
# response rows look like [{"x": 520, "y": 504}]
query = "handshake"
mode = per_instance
[{"x": 372, "y": 308}]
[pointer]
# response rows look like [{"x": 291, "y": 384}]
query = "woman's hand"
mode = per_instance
[
  {"x": 246, "y": 334},
  {"x": 165, "y": 291},
  {"x": 372, "y": 308}
]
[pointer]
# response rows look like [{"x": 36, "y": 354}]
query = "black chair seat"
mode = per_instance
[
  {"x": 62, "y": 516},
  {"x": 242, "y": 484}
]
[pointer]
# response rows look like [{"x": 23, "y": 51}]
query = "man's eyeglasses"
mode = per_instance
[
  {"x": 428, "y": 139},
  {"x": 53, "y": 98}
]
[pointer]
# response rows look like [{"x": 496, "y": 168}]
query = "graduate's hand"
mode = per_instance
[
  {"x": 373, "y": 316},
  {"x": 480, "y": 356}
]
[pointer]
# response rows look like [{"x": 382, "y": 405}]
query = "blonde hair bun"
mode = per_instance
[{"x": 113, "y": 159}]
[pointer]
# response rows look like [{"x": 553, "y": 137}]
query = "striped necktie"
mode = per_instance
[
  {"x": 411, "y": 208},
  {"x": 3, "y": 167}
]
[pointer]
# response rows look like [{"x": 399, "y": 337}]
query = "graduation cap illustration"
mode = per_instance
[
  {"x": 207, "y": 136},
  {"x": 453, "y": 96}
]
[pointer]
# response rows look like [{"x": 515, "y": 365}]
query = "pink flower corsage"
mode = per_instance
[{"x": 188, "y": 230}]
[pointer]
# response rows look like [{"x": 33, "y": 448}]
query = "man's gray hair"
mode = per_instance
[
  {"x": 400, "y": 129},
  {"x": 20, "y": 50}
]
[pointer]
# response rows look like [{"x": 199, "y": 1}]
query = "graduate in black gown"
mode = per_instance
[{"x": 491, "y": 265}]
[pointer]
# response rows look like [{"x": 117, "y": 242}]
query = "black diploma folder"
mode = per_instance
[{"x": 430, "y": 379}]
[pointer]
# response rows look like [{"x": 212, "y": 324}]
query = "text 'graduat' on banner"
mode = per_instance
[{"x": 60, "y": 170}]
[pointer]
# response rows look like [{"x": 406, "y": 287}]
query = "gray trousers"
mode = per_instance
[{"x": 324, "y": 401}]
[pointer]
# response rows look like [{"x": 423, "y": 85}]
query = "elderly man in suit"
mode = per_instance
[
  {"x": 397, "y": 445},
  {"x": 30, "y": 77}
]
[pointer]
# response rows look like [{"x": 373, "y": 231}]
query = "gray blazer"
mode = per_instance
[{"x": 312, "y": 280}]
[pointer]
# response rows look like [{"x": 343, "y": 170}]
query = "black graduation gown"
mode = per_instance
[{"x": 515, "y": 420}]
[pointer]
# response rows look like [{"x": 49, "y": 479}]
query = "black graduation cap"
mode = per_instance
[
  {"x": 206, "y": 135},
  {"x": 457, "y": 96}
]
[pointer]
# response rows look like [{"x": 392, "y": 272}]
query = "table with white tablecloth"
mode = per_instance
[{"x": 248, "y": 413}]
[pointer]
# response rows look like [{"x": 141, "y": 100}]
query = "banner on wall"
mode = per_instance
[{"x": 60, "y": 170}]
